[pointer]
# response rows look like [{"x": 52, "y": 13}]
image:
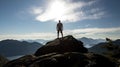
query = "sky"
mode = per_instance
[{"x": 37, "y": 19}]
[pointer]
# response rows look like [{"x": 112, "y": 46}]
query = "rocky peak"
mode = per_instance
[{"x": 61, "y": 45}]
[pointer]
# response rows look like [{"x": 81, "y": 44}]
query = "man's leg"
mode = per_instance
[
  {"x": 61, "y": 33},
  {"x": 57, "y": 33}
]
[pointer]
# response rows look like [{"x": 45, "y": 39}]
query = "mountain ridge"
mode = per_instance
[
  {"x": 99, "y": 48},
  {"x": 89, "y": 42},
  {"x": 11, "y": 47}
]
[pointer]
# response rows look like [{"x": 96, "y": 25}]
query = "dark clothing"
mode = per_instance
[
  {"x": 60, "y": 26},
  {"x": 59, "y": 29}
]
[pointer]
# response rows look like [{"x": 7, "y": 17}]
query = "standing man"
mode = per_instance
[{"x": 59, "y": 28}]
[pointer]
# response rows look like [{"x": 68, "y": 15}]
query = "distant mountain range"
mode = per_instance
[
  {"x": 99, "y": 48},
  {"x": 10, "y": 48},
  {"x": 42, "y": 41},
  {"x": 89, "y": 42}
]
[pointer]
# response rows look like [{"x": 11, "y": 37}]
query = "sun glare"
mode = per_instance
[{"x": 57, "y": 10}]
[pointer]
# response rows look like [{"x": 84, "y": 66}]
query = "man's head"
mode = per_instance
[{"x": 59, "y": 21}]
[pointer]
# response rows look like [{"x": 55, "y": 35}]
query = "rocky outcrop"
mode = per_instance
[
  {"x": 65, "y": 52},
  {"x": 3, "y": 60},
  {"x": 68, "y": 59},
  {"x": 65, "y": 44}
]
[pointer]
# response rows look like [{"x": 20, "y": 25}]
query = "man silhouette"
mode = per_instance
[{"x": 59, "y": 28}]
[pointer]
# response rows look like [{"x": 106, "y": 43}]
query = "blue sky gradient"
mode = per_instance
[{"x": 18, "y": 21}]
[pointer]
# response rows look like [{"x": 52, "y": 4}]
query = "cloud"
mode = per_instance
[
  {"x": 88, "y": 25},
  {"x": 36, "y": 10},
  {"x": 96, "y": 32},
  {"x": 41, "y": 35},
  {"x": 66, "y": 10},
  {"x": 86, "y": 32},
  {"x": 89, "y": 31}
]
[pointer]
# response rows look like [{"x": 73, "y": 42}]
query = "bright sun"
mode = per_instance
[{"x": 57, "y": 10}]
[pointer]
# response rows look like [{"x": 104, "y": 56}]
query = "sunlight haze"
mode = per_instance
[{"x": 37, "y": 19}]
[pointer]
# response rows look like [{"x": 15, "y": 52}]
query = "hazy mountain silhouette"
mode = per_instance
[
  {"x": 99, "y": 48},
  {"x": 89, "y": 42},
  {"x": 63, "y": 52},
  {"x": 10, "y": 48},
  {"x": 42, "y": 41}
]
